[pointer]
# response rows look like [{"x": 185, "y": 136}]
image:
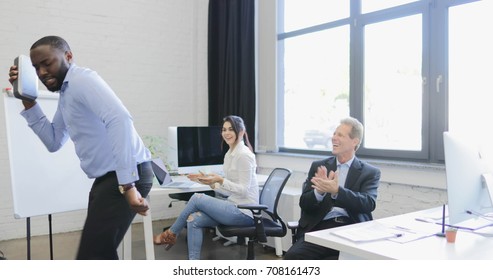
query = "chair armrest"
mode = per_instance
[
  {"x": 293, "y": 225},
  {"x": 257, "y": 217},
  {"x": 253, "y": 206}
]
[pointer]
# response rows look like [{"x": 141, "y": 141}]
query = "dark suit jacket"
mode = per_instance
[{"x": 358, "y": 196}]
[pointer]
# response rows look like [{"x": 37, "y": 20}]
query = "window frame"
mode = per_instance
[{"x": 434, "y": 65}]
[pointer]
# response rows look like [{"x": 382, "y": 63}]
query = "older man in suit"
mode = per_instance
[{"x": 339, "y": 190}]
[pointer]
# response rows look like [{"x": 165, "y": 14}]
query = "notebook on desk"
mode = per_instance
[{"x": 164, "y": 178}]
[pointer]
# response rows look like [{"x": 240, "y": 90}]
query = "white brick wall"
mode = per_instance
[{"x": 152, "y": 52}]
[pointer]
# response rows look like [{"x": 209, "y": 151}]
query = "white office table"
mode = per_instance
[
  {"x": 126, "y": 246},
  {"x": 467, "y": 246}
]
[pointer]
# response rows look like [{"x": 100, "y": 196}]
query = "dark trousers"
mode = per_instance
[
  {"x": 302, "y": 250},
  {"x": 109, "y": 215}
]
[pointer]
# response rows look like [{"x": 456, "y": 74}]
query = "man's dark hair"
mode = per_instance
[{"x": 54, "y": 41}]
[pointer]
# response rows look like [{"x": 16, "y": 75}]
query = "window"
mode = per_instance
[
  {"x": 320, "y": 11},
  {"x": 392, "y": 86},
  {"x": 307, "y": 89},
  {"x": 470, "y": 63},
  {"x": 375, "y": 5},
  {"x": 383, "y": 62}
]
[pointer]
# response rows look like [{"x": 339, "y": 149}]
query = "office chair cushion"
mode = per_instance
[
  {"x": 271, "y": 229},
  {"x": 187, "y": 195}
]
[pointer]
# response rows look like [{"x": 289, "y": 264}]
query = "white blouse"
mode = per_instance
[{"x": 240, "y": 183}]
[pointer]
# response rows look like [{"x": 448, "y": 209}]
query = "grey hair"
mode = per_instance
[{"x": 356, "y": 129}]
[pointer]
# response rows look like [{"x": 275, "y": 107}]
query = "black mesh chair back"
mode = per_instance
[{"x": 271, "y": 193}]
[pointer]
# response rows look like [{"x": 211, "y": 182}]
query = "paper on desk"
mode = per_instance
[
  {"x": 409, "y": 235},
  {"x": 410, "y": 232},
  {"x": 485, "y": 231},
  {"x": 373, "y": 231},
  {"x": 433, "y": 216}
]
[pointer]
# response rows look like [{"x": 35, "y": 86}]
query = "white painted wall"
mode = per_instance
[{"x": 152, "y": 52}]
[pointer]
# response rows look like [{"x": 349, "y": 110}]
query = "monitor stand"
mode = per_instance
[
  {"x": 442, "y": 233},
  {"x": 478, "y": 219}
]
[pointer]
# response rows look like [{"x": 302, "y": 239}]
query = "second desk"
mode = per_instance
[{"x": 126, "y": 247}]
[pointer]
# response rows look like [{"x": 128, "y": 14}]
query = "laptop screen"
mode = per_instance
[{"x": 160, "y": 171}]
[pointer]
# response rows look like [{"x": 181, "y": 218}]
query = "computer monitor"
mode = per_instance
[
  {"x": 469, "y": 198},
  {"x": 196, "y": 148}
]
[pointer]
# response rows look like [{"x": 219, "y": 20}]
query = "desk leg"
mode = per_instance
[
  {"x": 148, "y": 236},
  {"x": 278, "y": 245},
  {"x": 126, "y": 245},
  {"x": 125, "y": 249}
]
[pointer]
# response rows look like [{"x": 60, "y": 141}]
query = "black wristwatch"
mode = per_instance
[{"x": 124, "y": 188}]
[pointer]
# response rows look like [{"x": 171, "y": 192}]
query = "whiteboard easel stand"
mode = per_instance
[
  {"x": 63, "y": 170},
  {"x": 51, "y": 237},
  {"x": 28, "y": 237}
]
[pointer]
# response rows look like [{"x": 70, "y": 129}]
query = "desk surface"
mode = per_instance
[
  {"x": 467, "y": 246},
  {"x": 159, "y": 190}
]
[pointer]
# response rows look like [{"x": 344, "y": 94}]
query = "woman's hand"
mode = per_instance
[
  {"x": 207, "y": 179},
  {"x": 211, "y": 179},
  {"x": 194, "y": 177}
]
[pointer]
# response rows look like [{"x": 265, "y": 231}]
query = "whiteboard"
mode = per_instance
[{"x": 42, "y": 182}]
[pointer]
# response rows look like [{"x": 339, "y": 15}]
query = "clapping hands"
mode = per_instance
[{"x": 325, "y": 183}]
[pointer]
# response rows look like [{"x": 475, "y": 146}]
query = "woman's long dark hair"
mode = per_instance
[{"x": 238, "y": 126}]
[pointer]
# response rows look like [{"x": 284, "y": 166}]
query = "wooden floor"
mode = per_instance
[{"x": 65, "y": 247}]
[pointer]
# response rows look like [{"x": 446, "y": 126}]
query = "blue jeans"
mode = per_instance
[{"x": 203, "y": 211}]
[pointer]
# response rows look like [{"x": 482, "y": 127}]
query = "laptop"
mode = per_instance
[
  {"x": 164, "y": 178},
  {"x": 26, "y": 85}
]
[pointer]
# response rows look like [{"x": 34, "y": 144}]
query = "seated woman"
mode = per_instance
[{"x": 239, "y": 184}]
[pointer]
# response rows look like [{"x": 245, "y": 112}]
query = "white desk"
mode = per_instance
[
  {"x": 126, "y": 246},
  {"x": 467, "y": 246}
]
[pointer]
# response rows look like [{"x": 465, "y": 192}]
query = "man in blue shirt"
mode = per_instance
[{"x": 106, "y": 142}]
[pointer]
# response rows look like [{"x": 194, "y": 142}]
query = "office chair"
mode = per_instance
[{"x": 266, "y": 218}]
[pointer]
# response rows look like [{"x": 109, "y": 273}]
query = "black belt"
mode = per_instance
[
  {"x": 332, "y": 222},
  {"x": 340, "y": 220},
  {"x": 113, "y": 173}
]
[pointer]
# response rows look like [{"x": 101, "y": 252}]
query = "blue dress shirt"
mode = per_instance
[{"x": 91, "y": 114}]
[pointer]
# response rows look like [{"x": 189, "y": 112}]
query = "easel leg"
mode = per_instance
[
  {"x": 28, "y": 237},
  {"x": 51, "y": 237}
]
